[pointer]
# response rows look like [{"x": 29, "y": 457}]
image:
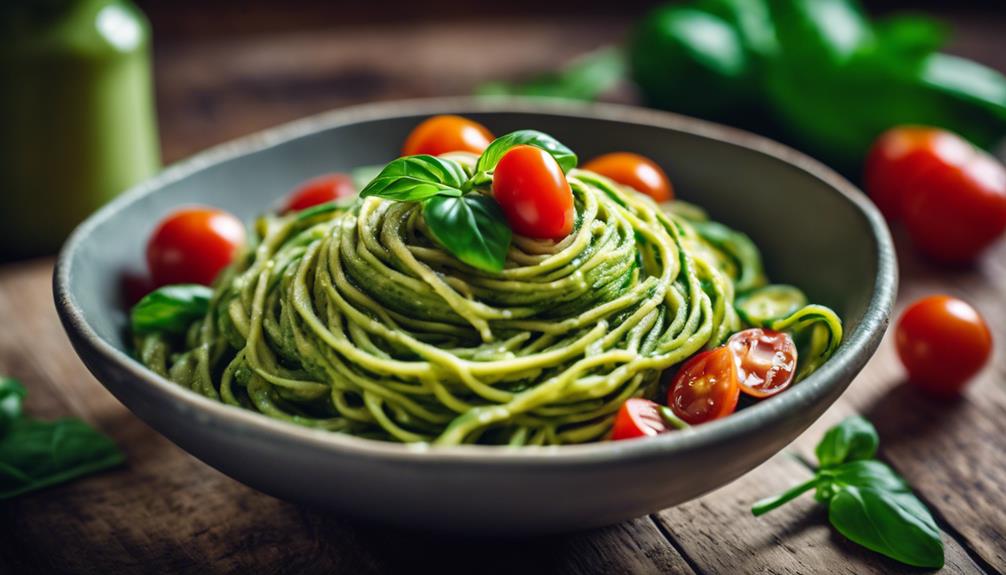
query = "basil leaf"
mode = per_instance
[
  {"x": 36, "y": 454},
  {"x": 11, "y": 396},
  {"x": 363, "y": 175},
  {"x": 894, "y": 523},
  {"x": 499, "y": 147},
  {"x": 585, "y": 78},
  {"x": 471, "y": 227},
  {"x": 853, "y": 439},
  {"x": 864, "y": 473},
  {"x": 171, "y": 309},
  {"x": 417, "y": 178}
]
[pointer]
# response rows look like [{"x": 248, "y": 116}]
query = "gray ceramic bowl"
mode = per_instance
[{"x": 815, "y": 229}]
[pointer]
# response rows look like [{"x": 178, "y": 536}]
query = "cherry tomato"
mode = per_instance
[
  {"x": 943, "y": 342},
  {"x": 638, "y": 417},
  {"x": 534, "y": 194},
  {"x": 637, "y": 172},
  {"x": 442, "y": 134},
  {"x": 320, "y": 190},
  {"x": 192, "y": 246},
  {"x": 900, "y": 155},
  {"x": 706, "y": 387},
  {"x": 953, "y": 214},
  {"x": 766, "y": 361}
]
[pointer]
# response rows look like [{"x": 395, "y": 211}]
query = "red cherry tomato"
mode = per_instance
[
  {"x": 192, "y": 246},
  {"x": 442, "y": 134},
  {"x": 943, "y": 342},
  {"x": 320, "y": 190},
  {"x": 534, "y": 194},
  {"x": 766, "y": 361},
  {"x": 638, "y": 417},
  {"x": 954, "y": 213},
  {"x": 900, "y": 155},
  {"x": 706, "y": 387},
  {"x": 637, "y": 172}
]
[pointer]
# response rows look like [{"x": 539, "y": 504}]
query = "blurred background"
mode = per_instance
[{"x": 224, "y": 68}]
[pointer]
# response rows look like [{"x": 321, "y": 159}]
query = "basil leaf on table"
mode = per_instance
[
  {"x": 472, "y": 227},
  {"x": 11, "y": 396},
  {"x": 500, "y": 146},
  {"x": 36, "y": 454},
  {"x": 585, "y": 78},
  {"x": 171, "y": 309},
  {"x": 853, "y": 439},
  {"x": 416, "y": 178},
  {"x": 867, "y": 501}
]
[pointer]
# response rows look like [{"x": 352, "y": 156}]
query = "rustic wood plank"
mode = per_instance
[{"x": 164, "y": 511}]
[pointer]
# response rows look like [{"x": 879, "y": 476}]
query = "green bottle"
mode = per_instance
[{"x": 77, "y": 120}]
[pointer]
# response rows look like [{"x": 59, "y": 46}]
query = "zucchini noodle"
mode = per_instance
[{"x": 353, "y": 319}]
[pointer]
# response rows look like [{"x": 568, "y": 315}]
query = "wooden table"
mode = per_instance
[{"x": 164, "y": 511}]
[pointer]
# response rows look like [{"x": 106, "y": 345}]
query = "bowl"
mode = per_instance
[{"x": 815, "y": 230}]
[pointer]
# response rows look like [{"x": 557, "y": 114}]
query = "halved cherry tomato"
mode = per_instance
[
  {"x": 766, "y": 361},
  {"x": 706, "y": 387},
  {"x": 319, "y": 190},
  {"x": 943, "y": 342},
  {"x": 638, "y": 417},
  {"x": 442, "y": 134},
  {"x": 900, "y": 154},
  {"x": 951, "y": 194},
  {"x": 192, "y": 246},
  {"x": 534, "y": 194},
  {"x": 637, "y": 172}
]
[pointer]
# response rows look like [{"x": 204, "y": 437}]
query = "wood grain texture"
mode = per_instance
[{"x": 166, "y": 512}]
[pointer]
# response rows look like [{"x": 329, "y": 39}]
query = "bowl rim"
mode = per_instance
[{"x": 856, "y": 348}]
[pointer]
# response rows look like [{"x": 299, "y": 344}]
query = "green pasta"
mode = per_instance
[{"x": 353, "y": 319}]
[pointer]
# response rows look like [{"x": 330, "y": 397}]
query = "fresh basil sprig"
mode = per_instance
[
  {"x": 36, "y": 454},
  {"x": 471, "y": 227},
  {"x": 171, "y": 309},
  {"x": 500, "y": 146},
  {"x": 417, "y": 178},
  {"x": 867, "y": 501},
  {"x": 468, "y": 224}
]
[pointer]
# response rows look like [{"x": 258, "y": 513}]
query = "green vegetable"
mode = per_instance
[
  {"x": 11, "y": 396},
  {"x": 585, "y": 78},
  {"x": 818, "y": 73},
  {"x": 417, "y": 178},
  {"x": 471, "y": 227},
  {"x": 36, "y": 454},
  {"x": 171, "y": 309},
  {"x": 761, "y": 306},
  {"x": 500, "y": 146},
  {"x": 867, "y": 501},
  {"x": 817, "y": 332}
]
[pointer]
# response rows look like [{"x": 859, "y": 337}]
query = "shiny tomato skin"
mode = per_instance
[
  {"x": 766, "y": 361},
  {"x": 533, "y": 193},
  {"x": 706, "y": 387},
  {"x": 901, "y": 155},
  {"x": 192, "y": 245},
  {"x": 638, "y": 417},
  {"x": 319, "y": 190},
  {"x": 442, "y": 134},
  {"x": 636, "y": 171},
  {"x": 942, "y": 342},
  {"x": 954, "y": 213}
]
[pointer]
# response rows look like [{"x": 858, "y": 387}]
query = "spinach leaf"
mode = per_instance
[
  {"x": 893, "y": 523},
  {"x": 500, "y": 146},
  {"x": 11, "y": 395},
  {"x": 867, "y": 501},
  {"x": 417, "y": 178},
  {"x": 36, "y": 454},
  {"x": 853, "y": 439},
  {"x": 471, "y": 227},
  {"x": 171, "y": 309}
]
